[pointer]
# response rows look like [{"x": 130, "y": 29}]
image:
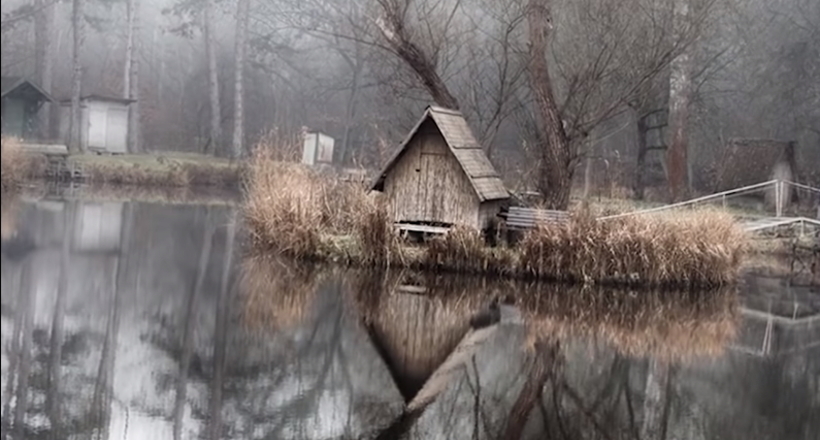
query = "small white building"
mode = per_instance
[
  {"x": 103, "y": 123},
  {"x": 317, "y": 149}
]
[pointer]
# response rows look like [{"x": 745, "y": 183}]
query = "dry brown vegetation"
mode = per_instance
[
  {"x": 275, "y": 294},
  {"x": 16, "y": 164},
  {"x": 291, "y": 208},
  {"x": 674, "y": 325},
  {"x": 670, "y": 324},
  {"x": 9, "y": 209},
  {"x": 296, "y": 211}
]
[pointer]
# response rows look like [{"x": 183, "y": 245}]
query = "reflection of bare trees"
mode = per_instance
[
  {"x": 20, "y": 363},
  {"x": 57, "y": 323},
  {"x": 103, "y": 396},
  {"x": 221, "y": 337},
  {"x": 187, "y": 336}
]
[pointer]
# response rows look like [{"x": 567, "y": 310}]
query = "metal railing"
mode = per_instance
[{"x": 779, "y": 185}]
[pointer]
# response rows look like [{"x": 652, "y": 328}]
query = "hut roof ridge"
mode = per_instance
[{"x": 486, "y": 181}]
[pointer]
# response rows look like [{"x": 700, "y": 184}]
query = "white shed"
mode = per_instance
[
  {"x": 317, "y": 149},
  {"x": 103, "y": 123}
]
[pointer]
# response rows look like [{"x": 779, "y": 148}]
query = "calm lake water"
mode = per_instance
[{"x": 146, "y": 321}]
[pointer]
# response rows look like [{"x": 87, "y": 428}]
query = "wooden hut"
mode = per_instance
[{"x": 440, "y": 175}]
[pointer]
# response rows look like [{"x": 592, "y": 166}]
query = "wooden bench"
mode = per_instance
[
  {"x": 419, "y": 231},
  {"x": 528, "y": 218}
]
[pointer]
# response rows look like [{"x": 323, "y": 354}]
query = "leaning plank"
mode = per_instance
[{"x": 440, "y": 378}]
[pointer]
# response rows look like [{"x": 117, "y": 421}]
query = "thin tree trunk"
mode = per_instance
[
  {"x": 640, "y": 163},
  {"x": 555, "y": 172},
  {"x": 213, "y": 79},
  {"x": 43, "y": 35},
  {"x": 242, "y": 15},
  {"x": 131, "y": 76},
  {"x": 680, "y": 91},
  {"x": 221, "y": 337},
  {"x": 78, "y": 26},
  {"x": 350, "y": 111}
]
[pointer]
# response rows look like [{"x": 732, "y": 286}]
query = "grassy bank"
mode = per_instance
[
  {"x": 293, "y": 211},
  {"x": 158, "y": 169}
]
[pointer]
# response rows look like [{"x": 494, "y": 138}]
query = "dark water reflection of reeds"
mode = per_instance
[{"x": 133, "y": 320}]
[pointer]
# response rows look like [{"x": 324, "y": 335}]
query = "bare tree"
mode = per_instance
[
  {"x": 242, "y": 16},
  {"x": 78, "y": 26},
  {"x": 213, "y": 78},
  {"x": 680, "y": 91},
  {"x": 44, "y": 57},
  {"x": 555, "y": 176},
  {"x": 394, "y": 24},
  {"x": 131, "y": 76}
]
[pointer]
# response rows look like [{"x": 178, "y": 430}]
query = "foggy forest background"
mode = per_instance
[{"x": 362, "y": 71}]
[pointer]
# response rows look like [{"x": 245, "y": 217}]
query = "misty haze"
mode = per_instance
[{"x": 410, "y": 219}]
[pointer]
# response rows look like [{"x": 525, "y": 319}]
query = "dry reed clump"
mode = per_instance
[
  {"x": 379, "y": 242},
  {"x": 275, "y": 294},
  {"x": 15, "y": 164},
  {"x": 701, "y": 248},
  {"x": 291, "y": 208},
  {"x": 463, "y": 250}
]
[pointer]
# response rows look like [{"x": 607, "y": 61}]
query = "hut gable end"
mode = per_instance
[{"x": 459, "y": 139}]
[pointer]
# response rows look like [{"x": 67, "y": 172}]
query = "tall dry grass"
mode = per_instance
[
  {"x": 291, "y": 208},
  {"x": 15, "y": 164},
  {"x": 697, "y": 248},
  {"x": 299, "y": 212}
]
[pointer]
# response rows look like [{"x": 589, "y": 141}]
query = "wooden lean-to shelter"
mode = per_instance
[
  {"x": 21, "y": 100},
  {"x": 749, "y": 161},
  {"x": 440, "y": 176}
]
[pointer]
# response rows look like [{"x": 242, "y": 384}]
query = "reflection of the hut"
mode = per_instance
[{"x": 415, "y": 322}]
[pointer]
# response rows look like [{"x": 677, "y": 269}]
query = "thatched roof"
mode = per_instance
[
  {"x": 459, "y": 138},
  {"x": 749, "y": 161}
]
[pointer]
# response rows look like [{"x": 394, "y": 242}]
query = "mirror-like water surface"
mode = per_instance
[{"x": 147, "y": 321}]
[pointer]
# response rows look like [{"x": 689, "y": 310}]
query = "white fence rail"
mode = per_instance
[{"x": 780, "y": 187}]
